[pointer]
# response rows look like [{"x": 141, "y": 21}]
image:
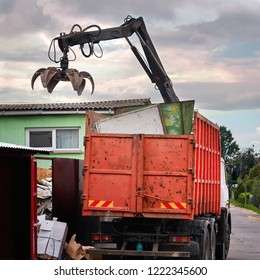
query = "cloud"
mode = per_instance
[
  {"x": 220, "y": 96},
  {"x": 208, "y": 48},
  {"x": 18, "y": 17}
]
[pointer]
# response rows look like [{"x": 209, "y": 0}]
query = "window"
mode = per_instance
[{"x": 60, "y": 139}]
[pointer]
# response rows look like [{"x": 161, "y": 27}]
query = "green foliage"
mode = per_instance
[
  {"x": 256, "y": 193},
  {"x": 229, "y": 147},
  {"x": 254, "y": 172},
  {"x": 247, "y": 165},
  {"x": 249, "y": 184},
  {"x": 243, "y": 197},
  {"x": 244, "y": 160},
  {"x": 240, "y": 188},
  {"x": 253, "y": 181},
  {"x": 247, "y": 206}
]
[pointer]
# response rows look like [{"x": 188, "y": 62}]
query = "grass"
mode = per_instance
[{"x": 246, "y": 206}]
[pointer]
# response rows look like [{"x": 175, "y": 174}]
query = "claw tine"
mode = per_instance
[
  {"x": 81, "y": 87},
  {"x": 88, "y": 76},
  {"x": 36, "y": 75},
  {"x": 70, "y": 75},
  {"x": 75, "y": 79},
  {"x": 47, "y": 75},
  {"x": 51, "y": 85},
  {"x": 85, "y": 74},
  {"x": 44, "y": 78}
]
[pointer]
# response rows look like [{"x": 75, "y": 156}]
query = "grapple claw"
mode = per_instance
[
  {"x": 52, "y": 84},
  {"x": 51, "y": 76},
  {"x": 81, "y": 88},
  {"x": 48, "y": 75},
  {"x": 89, "y": 77},
  {"x": 75, "y": 78},
  {"x": 36, "y": 75}
]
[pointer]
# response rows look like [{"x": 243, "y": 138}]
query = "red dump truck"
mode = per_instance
[{"x": 158, "y": 195}]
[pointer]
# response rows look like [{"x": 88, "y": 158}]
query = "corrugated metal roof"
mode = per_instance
[
  {"x": 20, "y": 148},
  {"x": 98, "y": 105}
]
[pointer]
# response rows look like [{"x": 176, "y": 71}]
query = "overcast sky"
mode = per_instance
[{"x": 210, "y": 50}]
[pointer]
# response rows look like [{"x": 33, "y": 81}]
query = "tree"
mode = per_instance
[
  {"x": 253, "y": 182},
  {"x": 244, "y": 160},
  {"x": 248, "y": 168},
  {"x": 229, "y": 147},
  {"x": 254, "y": 173},
  {"x": 256, "y": 193}
]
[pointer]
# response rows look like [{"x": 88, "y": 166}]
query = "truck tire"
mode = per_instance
[
  {"x": 213, "y": 245},
  {"x": 223, "y": 248},
  {"x": 204, "y": 247},
  {"x": 206, "y": 253}
]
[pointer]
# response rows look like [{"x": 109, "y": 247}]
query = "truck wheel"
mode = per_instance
[
  {"x": 206, "y": 254},
  {"x": 204, "y": 246},
  {"x": 227, "y": 240},
  {"x": 213, "y": 245},
  {"x": 223, "y": 248}
]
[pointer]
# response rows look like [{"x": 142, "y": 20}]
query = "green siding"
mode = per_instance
[{"x": 13, "y": 128}]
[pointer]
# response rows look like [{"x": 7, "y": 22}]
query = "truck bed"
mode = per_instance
[{"x": 154, "y": 176}]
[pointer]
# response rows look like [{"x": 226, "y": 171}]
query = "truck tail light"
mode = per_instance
[
  {"x": 179, "y": 239},
  {"x": 97, "y": 237},
  {"x": 107, "y": 238}
]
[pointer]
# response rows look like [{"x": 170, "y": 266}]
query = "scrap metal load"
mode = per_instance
[{"x": 44, "y": 192}]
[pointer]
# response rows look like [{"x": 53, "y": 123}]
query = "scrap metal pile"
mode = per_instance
[{"x": 44, "y": 192}]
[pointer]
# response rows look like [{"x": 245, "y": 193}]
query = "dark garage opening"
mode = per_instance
[{"x": 15, "y": 207}]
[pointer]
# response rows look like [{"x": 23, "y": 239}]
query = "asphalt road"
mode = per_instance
[{"x": 245, "y": 235}]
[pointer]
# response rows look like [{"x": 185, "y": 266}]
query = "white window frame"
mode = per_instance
[{"x": 53, "y": 130}]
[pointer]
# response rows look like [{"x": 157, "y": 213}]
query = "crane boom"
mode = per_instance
[{"x": 151, "y": 63}]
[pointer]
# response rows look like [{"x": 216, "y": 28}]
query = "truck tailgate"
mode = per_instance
[{"x": 138, "y": 175}]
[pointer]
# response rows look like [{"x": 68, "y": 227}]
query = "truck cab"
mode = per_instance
[{"x": 225, "y": 197}]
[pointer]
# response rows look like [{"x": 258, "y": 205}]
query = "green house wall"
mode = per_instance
[{"x": 13, "y": 129}]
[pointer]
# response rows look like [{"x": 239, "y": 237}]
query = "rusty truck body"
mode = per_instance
[{"x": 158, "y": 195}]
